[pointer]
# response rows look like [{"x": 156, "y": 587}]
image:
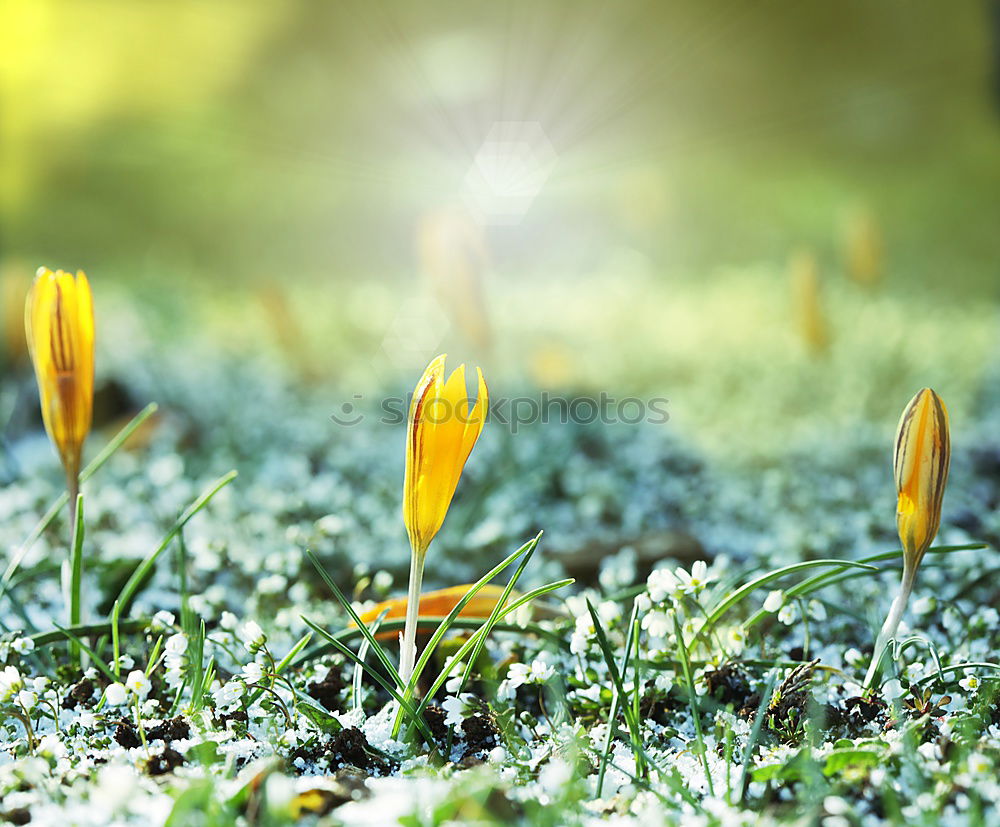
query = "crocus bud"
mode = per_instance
[
  {"x": 807, "y": 300},
  {"x": 59, "y": 323},
  {"x": 920, "y": 461},
  {"x": 441, "y": 430}
]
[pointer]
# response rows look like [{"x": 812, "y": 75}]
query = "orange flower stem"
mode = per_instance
[
  {"x": 891, "y": 624},
  {"x": 408, "y": 648}
]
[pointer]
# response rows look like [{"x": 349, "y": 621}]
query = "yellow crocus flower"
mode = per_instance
[
  {"x": 441, "y": 430},
  {"x": 920, "y": 460},
  {"x": 59, "y": 324}
]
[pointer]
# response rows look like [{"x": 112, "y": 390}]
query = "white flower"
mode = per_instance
[
  {"x": 696, "y": 581},
  {"x": 924, "y": 605},
  {"x": 893, "y": 689},
  {"x": 455, "y": 708},
  {"x": 541, "y": 672},
  {"x": 116, "y": 694},
  {"x": 252, "y": 635},
  {"x": 149, "y": 707},
  {"x": 979, "y": 764},
  {"x": 789, "y": 614},
  {"x": 774, "y": 600},
  {"x": 27, "y": 699},
  {"x": 126, "y": 662},
  {"x": 138, "y": 683},
  {"x": 817, "y": 611},
  {"x": 736, "y": 639},
  {"x": 23, "y": 645},
  {"x": 970, "y": 684},
  {"x": 176, "y": 644},
  {"x": 10, "y": 682},
  {"x": 657, "y": 624},
  {"x": 853, "y": 657},
  {"x": 661, "y": 584},
  {"x": 228, "y": 695},
  {"x": 253, "y": 672},
  {"x": 228, "y": 621},
  {"x": 162, "y": 620}
]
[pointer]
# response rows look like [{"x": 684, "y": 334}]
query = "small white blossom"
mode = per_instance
[
  {"x": 774, "y": 600},
  {"x": 23, "y": 645},
  {"x": 162, "y": 620},
  {"x": 817, "y": 611},
  {"x": 228, "y": 695},
  {"x": 970, "y": 684},
  {"x": 138, "y": 683},
  {"x": 176, "y": 644},
  {"x": 27, "y": 699},
  {"x": 10, "y": 682},
  {"x": 252, "y": 635},
  {"x": 789, "y": 614},
  {"x": 657, "y": 624},
  {"x": 228, "y": 621},
  {"x": 253, "y": 672},
  {"x": 116, "y": 694}
]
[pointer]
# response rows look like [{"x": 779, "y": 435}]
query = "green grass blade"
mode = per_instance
[
  {"x": 92, "y": 468},
  {"x": 376, "y": 647},
  {"x": 635, "y": 732},
  {"x": 413, "y": 714},
  {"x": 93, "y": 655},
  {"x": 76, "y": 571},
  {"x": 615, "y": 700},
  {"x": 526, "y": 550},
  {"x": 829, "y": 578},
  {"x": 129, "y": 589},
  {"x": 736, "y": 596},
  {"x": 466, "y": 647},
  {"x": 693, "y": 702}
]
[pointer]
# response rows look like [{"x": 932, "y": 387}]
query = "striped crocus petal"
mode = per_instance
[
  {"x": 438, "y": 604},
  {"x": 59, "y": 325},
  {"x": 920, "y": 462}
]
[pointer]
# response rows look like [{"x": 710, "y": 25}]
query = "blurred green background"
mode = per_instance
[{"x": 300, "y": 178}]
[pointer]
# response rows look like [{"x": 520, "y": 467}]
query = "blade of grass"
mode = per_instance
[
  {"x": 283, "y": 663},
  {"x": 87, "y": 630},
  {"x": 466, "y": 647},
  {"x": 615, "y": 700},
  {"x": 76, "y": 575},
  {"x": 359, "y": 671},
  {"x": 412, "y": 714},
  {"x": 433, "y": 622},
  {"x": 92, "y": 468},
  {"x": 93, "y": 655},
  {"x": 693, "y": 702},
  {"x": 362, "y": 628},
  {"x": 758, "y": 722},
  {"x": 635, "y": 733},
  {"x": 526, "y": 550},
  {"x": 736, "y": 596},
  {"x": 129, "y": 589},
  {"x": 829, "y": 578}
]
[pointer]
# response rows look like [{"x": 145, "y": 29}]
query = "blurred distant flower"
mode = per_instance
[
  {"x": 441, "y": 430},
  {"x": 921, "y": 457},
  {"x": 453, "y": 257},
  {"x": 863, "y": 248},
  {"x": 807, "y": 301},
  {"x": 59, "y": 323}
]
